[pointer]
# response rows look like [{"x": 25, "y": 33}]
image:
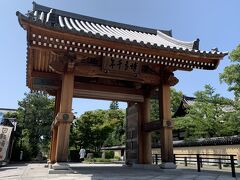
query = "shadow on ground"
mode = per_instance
[
  {"x": 98, "y": 172},
  {"x": 12, "y": 166}
]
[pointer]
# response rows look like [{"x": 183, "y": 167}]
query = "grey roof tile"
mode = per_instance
[{"x": 114, "y": 31}]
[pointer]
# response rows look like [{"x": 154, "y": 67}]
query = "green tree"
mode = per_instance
[
  {"x": 11, "y": 115},
  {"x": 231, "y": 120},
  {"x": 35, "y": 116},
  {"x": 92, "y": 129},
  {"x": 154, "y": 111},
  {"x": 117, "y": 136},
  {"x": 231, "y": 74},
  {"x": 98, "y": 128},
  {"x": 206, "y": 116},
  {"x": 114, "y": 105},
  {"x": 176, "y": 97}
]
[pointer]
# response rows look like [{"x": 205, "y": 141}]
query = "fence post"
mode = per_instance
[
  {"x": 156, "y": 159},
  {"x": 185, "y": 161},
  {"x": 219, "y": 163},
  {"x": 198, "y": 163},
  {"x": 201, "y": 164},
  {"x": 232, "y": 165},
  {"x": 174, "y": 158}
]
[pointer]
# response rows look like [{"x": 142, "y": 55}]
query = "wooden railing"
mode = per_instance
[{"x": 200, "y": 159}]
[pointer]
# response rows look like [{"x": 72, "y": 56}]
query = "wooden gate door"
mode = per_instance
[{"x": 132, "y": 137}]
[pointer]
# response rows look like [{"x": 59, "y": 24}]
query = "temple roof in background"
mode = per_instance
[{"x": 227, "y": 140}]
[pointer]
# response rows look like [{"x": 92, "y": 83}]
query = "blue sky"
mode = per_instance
[{"x": 216, "y": 23}]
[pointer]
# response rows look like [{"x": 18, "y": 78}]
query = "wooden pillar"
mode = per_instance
[
  {"x": 166, "y": 126},
  {"x": 57, "y": 102},
  {"x": 145, "y": 145},
  {"x": 53, "y": 145},
  {"x": 62, "y": 142},
  {"x": 54, "y": 128},
  {"x": 64, "y": 117}
]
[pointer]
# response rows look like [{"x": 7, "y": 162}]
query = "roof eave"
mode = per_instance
[
  {"x": 216, "y": 55},
  {"x": 21, "y": 19}
]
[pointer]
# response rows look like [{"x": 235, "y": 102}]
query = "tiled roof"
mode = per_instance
[
  {"x": 189, "y": 101},
  {"x": 107, "y": 29},
  {"x": 225, "y": 140},
  {"x": 167, "y": 50}
]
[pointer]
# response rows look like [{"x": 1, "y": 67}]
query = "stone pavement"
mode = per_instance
[{"x": 37, "y": 171}]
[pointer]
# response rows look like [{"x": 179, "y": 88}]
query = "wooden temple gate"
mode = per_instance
[{"x": 71, "y": 55}]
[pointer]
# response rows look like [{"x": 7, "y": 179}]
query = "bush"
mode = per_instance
[
  {"x": 109, "y": 154},
  {"x": 74, "y": 155},
  {"x": 103, "y": 160},
  {"x": 97, "y": 160},
  {"x": 27, "y": 155},
  {"x": 117, "y": 158},
  {"x": 15, "y": 152},
  {"x": 97, "y": 154}
]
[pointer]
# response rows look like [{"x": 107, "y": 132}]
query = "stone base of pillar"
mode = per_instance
[
  {"x": 144, "y": 166},
  {"x": 60, "y": 168},
  {"x": 168, "y": 165}
]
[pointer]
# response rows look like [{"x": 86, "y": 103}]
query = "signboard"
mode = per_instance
[
  {"x": 5, "y": 133},
  {"x": 121, "y": 66}
]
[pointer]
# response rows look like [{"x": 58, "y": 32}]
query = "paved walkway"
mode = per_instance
[{"x": 108, "y": 172}]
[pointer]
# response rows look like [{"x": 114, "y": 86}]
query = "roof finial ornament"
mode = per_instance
[
  {"x": 196, "y": 44},
  {"x": 214, "y": 49}
]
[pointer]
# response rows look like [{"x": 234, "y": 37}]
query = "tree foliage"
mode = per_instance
[
  {"x": 34, "y": 118},
  {"x": 114, "y": 105},
  {"x": 207, "y": 117},
  {"x": 213, "y": 115},
  {"x": 97, "y": 128},
  {"x": 231, "y": 74},
  {"x": 176, "y": 97},
  {"x": 117, "y": 136}
]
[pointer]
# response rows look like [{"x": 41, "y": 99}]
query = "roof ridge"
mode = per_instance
[
  {"x": 11, "y": 109},
  {"x": 38, "y": 7},
  {"x": 188, "y": 97}
]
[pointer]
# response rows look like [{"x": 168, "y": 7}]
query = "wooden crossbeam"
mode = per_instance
[{"x": 152, "y": 126}]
